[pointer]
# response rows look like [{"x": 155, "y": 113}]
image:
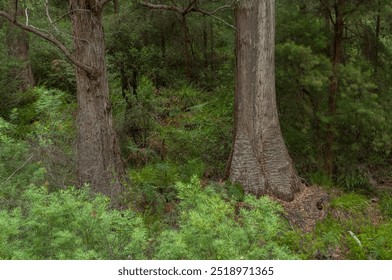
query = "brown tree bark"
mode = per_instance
[
  {"x": 17, "y": 42},
  {"x": 98, "y": 154},
  {"x": 260, "y": 161},
  {"x": 186, "y": 45}
]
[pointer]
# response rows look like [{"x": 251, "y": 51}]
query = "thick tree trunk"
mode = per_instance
[
  {"x": 336, "y": 59},
  {"x": 98, "y": 155},
  {"x": 17, "y": 43},
  {"x": 260, "y": 161}
]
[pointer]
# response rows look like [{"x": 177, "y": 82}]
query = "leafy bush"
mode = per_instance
[
  {"x": 203, "y": 130},
  {"x": 154, "y": 185},
  {"x": 212, "y": 228},
  {"x": 354, "y": 181},
  {"x": 377, "y": 243},
  {"x": 17, "y": 166},
  {"x": 386, "y": 205},
  {"x": 69, "y": 224}
]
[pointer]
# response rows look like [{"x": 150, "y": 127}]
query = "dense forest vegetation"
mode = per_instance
[{"x": 149, "y": 129}]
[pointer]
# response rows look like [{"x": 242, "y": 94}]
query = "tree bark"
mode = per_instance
[
  {"x": 17, "y": 42},
  {"x": 186, "y": 47},
  {"x": 98, "y": 153},
  {"x": 377, "y": 45},
  {"x": 260, "y": 161}
]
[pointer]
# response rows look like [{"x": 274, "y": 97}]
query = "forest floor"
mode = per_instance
[
  {"x": 307, "y": 208},
  {"x": 312, "y": 205}
]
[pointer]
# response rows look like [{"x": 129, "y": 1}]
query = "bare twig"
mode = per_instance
[
  {"x": 215, "y": 17},
  {"x": 19, "y": 168},
  {"x": 27, "y": 16},
  {"x": 48, "y": 15},
  {"x": 190, "y": 8},
  {"x": 162, "y": 7}
]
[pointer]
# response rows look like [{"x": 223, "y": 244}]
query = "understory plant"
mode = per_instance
[
  {"x": 70, "y": 224},
  {"x": 210, "y": 227}
]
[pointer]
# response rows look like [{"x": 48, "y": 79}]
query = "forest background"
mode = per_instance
[{"x": 171, "y": 78}]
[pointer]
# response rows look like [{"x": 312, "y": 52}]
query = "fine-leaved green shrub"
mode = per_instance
[
  {"x": 212, "y": 228},
  {"x": 69, "y": 224},
  {"x": 18, "y": 168}
]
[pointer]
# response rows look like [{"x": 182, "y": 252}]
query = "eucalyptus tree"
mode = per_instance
[
  {"x": 260, "y": 161},
  {"x": 98, "y": 154}
]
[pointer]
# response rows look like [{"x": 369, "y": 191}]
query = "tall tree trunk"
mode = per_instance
[
  {"x": 212, "y": 55},
  {"x": 186, "y": 47},
  {"x": 336, "y": 59},
  {"x": 17, "y": 42},
  {"x": 98, "y": 154},
  {"x": 377, "y": 43},
  {"x": 260, "y": 161}
]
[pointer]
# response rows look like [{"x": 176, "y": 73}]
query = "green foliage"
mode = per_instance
[
  {"x": 386, "y": 205},
  {"x": 140, "y": 113},
  {"x": 203, "y": 130},
  {"x": 354, "y": 181},
  {"x": 50, "y": 68},
  {"x": 69, "y": 224},
  {"x": 52, "y": 132},
  {"x": 211, "y": 228},
  {"x": 352, "y": 203},
  {"x": 346, "y": 233},
  {"x": 154, "y": 185},
  {"x": 377, "y": 242},
  {"x": 17, "y": 167},
  {"x": 320, "y": 179}
]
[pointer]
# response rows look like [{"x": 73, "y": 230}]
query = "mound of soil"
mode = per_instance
[{"x": 308, "y": 207}]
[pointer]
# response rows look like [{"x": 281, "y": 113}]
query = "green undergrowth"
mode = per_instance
[
  {"x": 349, "y": 231},
  {"x": 69, "y": 224},
  {"x": 74, "y": 224},
  {"x": 210, "y": 227}
]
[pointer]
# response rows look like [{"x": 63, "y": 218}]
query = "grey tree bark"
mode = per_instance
[
  {"x": 260, "y": 161},
  {"x": 99, "y": 161}
]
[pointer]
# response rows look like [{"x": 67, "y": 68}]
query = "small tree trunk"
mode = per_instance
[
  {"x": 98, "y": 154},
  {"x": 186, "y": 47},
  {"x": 260, "y": 161},
  {"x": 17, "y": 42},
  {"x": 336, "y": 58},
  {"x": 377, "y": 45}
]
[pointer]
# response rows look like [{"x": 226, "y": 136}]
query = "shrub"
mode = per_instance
[
  {"x": 69, "y": 224},
  {"x": 17, "y": 166},
  {"x": 212, "y": 228}
]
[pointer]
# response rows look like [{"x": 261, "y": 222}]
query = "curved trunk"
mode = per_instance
[{"x": 260, "y": 161}]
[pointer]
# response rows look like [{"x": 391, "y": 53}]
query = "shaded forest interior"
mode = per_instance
[{"x": 121, "y": 134}]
